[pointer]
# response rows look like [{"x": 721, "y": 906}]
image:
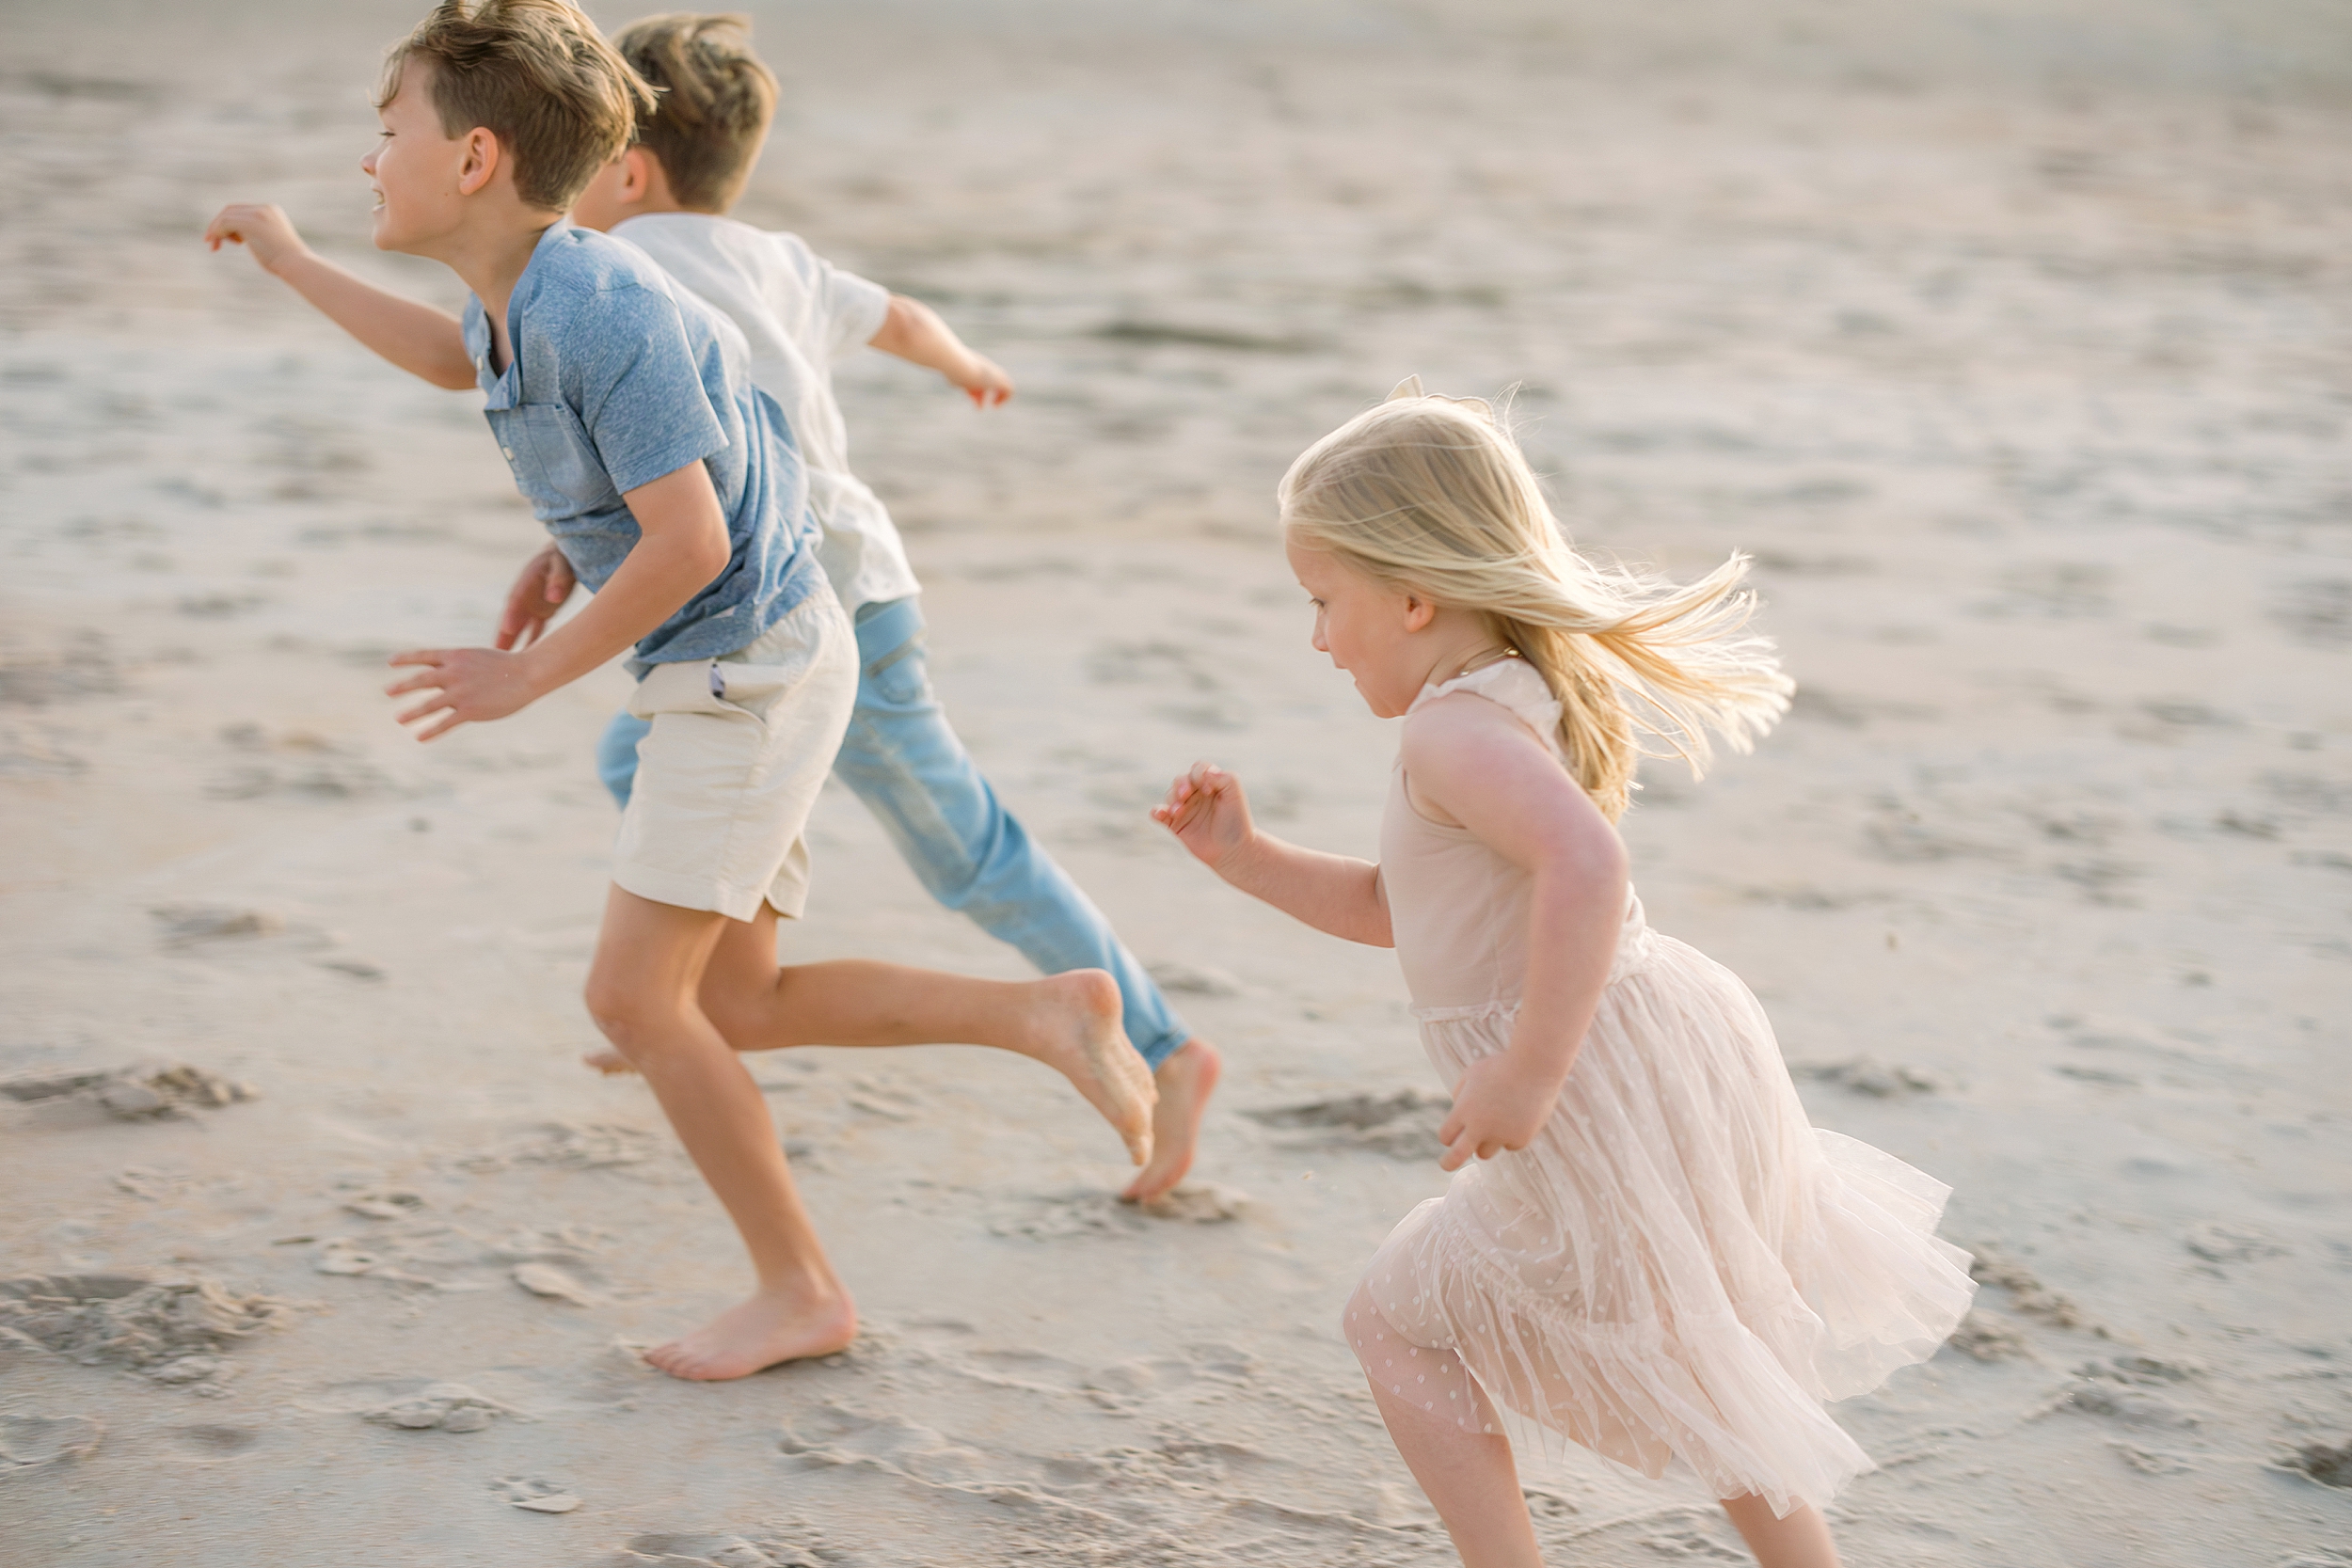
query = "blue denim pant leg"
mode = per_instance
[
  {"x": 616, "y": 755},
  {"x": 907, "y": 765}
]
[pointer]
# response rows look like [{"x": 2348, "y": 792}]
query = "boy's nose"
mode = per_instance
[{"x": 367, "y": 166}]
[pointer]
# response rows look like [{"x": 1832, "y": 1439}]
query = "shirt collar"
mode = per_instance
[{"x": 505, "y": 389}]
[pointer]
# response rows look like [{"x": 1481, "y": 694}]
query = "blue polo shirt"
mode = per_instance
[{"x": 618, "y": 377}]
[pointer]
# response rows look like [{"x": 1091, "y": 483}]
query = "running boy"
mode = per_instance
[
  {"x": 669, "y": 194},
  {"x": 671, "y": 485}
]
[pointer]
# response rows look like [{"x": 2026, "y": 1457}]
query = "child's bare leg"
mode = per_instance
[
  {"x": 1186, "y": 1079},
  {"x": 1471, "y": 1479},
  {"x": 1468, "y": 1474},
  {"x": 643, "y": 991},
  {"x": 1069, "y": 1022},
  {"x": 1800, "y": 1540}
]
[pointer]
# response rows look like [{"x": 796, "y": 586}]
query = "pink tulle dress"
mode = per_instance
[{"x": 1680, "y": 1266}]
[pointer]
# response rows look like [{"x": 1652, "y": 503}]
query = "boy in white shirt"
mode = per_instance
[{"x": 668, "y": 194}]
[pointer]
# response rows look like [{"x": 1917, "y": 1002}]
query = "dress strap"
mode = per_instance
[{"x": 1513, "y": 683}]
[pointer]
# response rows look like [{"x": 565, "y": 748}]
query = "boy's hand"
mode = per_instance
[
  {"x": 543, "y": 588},
  {"x": 469, "y": 686},
  {"x": 262, "y": 228},
  {"x": 983, "y": 381},
  {"x": 1502, "y": 1103},
  {"x": 1207, "y": 811}
]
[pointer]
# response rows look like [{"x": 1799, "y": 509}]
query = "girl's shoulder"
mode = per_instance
[{"x": 1511, "y": 683}]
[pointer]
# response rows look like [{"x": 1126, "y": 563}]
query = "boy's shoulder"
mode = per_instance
[
  {"x": 586, "y": 293},
  {"x": 719, "y": 239},
  {"x": 573, "y": 263}
]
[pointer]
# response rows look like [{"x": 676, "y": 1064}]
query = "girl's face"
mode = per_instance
[{"x": 1368, "y": 631}]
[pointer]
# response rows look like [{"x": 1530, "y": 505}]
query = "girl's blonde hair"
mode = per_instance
[{"x": 1431, "y": 496}]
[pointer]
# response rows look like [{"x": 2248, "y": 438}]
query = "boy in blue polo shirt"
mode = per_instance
[{"x": 675, "y": 493}]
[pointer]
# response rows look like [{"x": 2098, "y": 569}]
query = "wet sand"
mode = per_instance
[{"x": 2012, "y": 341}]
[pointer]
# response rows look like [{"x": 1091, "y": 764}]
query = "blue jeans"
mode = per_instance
[{"x": 903, "y": 761}]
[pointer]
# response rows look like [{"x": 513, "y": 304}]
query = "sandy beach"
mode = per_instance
[{"x": 2014, "y": 342}]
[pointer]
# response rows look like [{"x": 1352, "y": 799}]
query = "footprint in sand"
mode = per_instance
[
  {"x": 171, "y": 1331},
  {"x": 547, "y": 1280},
  {"x": 1401, "y": 1125},
  {"x": 1194, "y": 980},
  {"x": 386, "y": 1203},
  {"x": 1059, "y": 1215},
  {"x": 1865, "y": 1075},
  {"x": 213, "y": 1443},
  {"x": 145, "y": 1092},
  {"x": 539, "y": 1496},
  {"x": 1989, "y": 1337},
  {"x": 438, "y": 1407},
  {"x": 2140, "y": 1407},
  {"x": 2328, "y": 1464},
  {"x": 1989, "y": 1266},
  {"x": 589, "y": 1145},
  {"x": 715, "y": 1551},
  {"x": 187, "y": 925},
  {"x": 28, "y": 1441},
  {"x": 2218, "y": 1242}
]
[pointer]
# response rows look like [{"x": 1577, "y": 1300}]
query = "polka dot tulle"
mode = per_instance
[{"x": 1680, "y": 1266}]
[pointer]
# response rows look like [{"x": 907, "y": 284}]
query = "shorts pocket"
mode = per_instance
[
  {"x": 753, "y": 688},
  {"x": 681, "y": 687}
]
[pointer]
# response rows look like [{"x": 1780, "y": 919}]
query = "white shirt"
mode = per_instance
[{"x": 800, "y": 314}]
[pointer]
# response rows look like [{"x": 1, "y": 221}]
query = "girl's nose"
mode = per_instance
[{"x": 367, "y": 165}]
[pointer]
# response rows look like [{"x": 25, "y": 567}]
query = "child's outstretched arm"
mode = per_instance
[
  {"x": 1337, "y": 893},
  {"x": 419, "y": 338},
  {"x": 682, "y": 546},
  {"x": 1470, "y": 762},
  {"x": 914, "y": 332}
]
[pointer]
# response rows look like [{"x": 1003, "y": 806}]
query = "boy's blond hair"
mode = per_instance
[
  {"x": 1431, "y": 496},
  {"x": 535, "y": 74},
  {"x": 717, "y": 99}
]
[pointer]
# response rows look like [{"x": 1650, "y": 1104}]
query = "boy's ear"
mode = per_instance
[
  {"x": 638, "y": 170},
  {"x": 479, "y": 165}
]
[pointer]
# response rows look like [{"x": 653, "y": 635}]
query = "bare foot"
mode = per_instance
[
  {"x": 1185, "y": 1080},
  {"x": 1075, "y": 1030},
  {"x": 608, "y": 1062},
  {"x": 767, "y": 1329}
]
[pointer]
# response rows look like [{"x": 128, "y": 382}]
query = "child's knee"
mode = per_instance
[
  {"x": 634, "y": 1018},
  {"x": 735, "y": 1007}
]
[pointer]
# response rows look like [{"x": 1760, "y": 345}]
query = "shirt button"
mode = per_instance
[{"x": 508, "y": 450}]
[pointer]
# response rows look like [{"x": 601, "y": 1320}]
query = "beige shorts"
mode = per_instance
[{"x": 730, "y": 770}]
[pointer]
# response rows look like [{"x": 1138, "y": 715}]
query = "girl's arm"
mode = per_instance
[
  {"x": 1337, "y": 893},
  {"x": 1469, "y": 761},
  {"x": 914, "y": 332},
  {"x": 424, "y": 341}
]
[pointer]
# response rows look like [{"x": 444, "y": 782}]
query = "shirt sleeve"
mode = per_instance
[
  {"x": 854, "y": 308},
  {"x": 639, "y": 391}
]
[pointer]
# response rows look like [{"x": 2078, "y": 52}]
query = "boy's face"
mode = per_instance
[{"x": 419, "y": 171}]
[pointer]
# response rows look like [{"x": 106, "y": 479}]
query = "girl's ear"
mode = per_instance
[{"x": 1419, "y": 613}]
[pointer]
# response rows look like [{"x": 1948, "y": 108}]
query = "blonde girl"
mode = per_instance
[{"x": 1646, "y": 1249}]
